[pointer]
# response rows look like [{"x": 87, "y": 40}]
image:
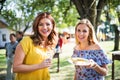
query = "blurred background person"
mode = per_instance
[
  {"x": 10, "y": 50},
  {"x": 19, "y": 35},
  {"x": 59, "y": 44}
]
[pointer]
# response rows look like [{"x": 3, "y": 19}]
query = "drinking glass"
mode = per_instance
[{"x": 49, "y": 54}]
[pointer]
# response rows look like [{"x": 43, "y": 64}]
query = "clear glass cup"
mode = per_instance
[{"x": 49, "y": 54}]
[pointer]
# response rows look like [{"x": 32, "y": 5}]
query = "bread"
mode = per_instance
[{"x": 79, "y": 60}]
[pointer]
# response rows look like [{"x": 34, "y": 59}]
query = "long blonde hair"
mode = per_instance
[{"x": 91, "y": 38}]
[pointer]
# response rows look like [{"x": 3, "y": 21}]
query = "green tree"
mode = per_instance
[
  {"x": 90, "y": 9},
  {"x": 24, "y": 11},
  {"x": 114, "y": 11},
  {"x": 1, "y": 4}
]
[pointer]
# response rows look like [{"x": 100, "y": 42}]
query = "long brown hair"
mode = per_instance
[{"x": 36, "y": 37}]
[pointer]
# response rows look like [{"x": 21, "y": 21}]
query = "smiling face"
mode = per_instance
[
  {"x": 45, "y": 27},
  {"x": 82, "y": 33}
]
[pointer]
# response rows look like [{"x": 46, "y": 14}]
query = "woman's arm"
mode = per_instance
[
  {"x": 101, "y": 70},
  {"x": 18, "y": 65},
  {"x": 75, "y": 76}
]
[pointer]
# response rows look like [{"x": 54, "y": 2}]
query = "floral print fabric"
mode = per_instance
[{"x": 98, "y": 56}]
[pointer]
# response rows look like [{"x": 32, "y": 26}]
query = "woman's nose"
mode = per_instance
[
  {"x": 44, "y": 26},
  {"x": 81, "y": 33}
]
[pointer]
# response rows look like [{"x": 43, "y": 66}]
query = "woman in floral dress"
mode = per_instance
[{"x": 87, "y": 47}]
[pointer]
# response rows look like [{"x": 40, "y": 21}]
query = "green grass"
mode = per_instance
[
  {"x": 66, "y": 69},
  {"x": 2, "y": 64},
  {"x": 2, "y": 58}
]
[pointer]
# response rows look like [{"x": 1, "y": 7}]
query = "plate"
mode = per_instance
[{"x": 80, "y": 61}]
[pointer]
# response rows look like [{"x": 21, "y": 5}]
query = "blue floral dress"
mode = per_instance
[{"x": 98, "y": 56}]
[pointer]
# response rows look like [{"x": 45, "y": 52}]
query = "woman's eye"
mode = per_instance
[
  {"x": 84, "y": 31},
  {"x": 40, "y": 24},
  {"x": 47, "y": 24},
  {"x": 78, "y": 30}
]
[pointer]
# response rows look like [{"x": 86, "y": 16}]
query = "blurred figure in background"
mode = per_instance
[
  {"x": 60, "y": 41},
  {"x": 59, "y": 44},
  {"x": 19, "y": 35},
  {"x": 10, "y": 50}
]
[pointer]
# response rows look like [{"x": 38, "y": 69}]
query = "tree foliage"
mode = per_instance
[
  {"x": 114, "y": 13},
  {"x": 66, "y": 12},
  {"x": 90, "y": 9},
  {"x": 22, "y": 12},
  {"x": 1, "y": 4}
]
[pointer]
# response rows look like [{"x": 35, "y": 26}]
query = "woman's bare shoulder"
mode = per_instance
[
  {"x": 95, "y": 47},
  {"x": 76, "y": 47}
]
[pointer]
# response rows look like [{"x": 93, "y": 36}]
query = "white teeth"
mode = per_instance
[
  {"x": 44, "y": 30},
  {"x": 81, "y": 37}
]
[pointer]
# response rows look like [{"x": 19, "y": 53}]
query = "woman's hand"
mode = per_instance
[
  {"x": 103, "y": 70},
  {"x": 46, "y": 63},
  {"x": 92, "y": 64}
]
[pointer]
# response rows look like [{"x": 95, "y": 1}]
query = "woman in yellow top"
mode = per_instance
[{"x": 30, "y": 61}]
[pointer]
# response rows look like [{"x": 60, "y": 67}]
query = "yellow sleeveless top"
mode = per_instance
[{"x": 33, "y": 55}]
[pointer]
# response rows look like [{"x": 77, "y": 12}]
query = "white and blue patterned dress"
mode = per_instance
[{"x": 98, "y": 56}]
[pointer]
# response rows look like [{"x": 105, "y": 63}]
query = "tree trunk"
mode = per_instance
[
  {"x": 1, "y": 4},
  {"x": 116, "y": 41},
  {"x": 100, "y": 6},
  {"x": 90, "y": 9}
]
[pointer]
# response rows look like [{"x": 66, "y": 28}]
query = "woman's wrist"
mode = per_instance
[{"x": 99, "y": 69}]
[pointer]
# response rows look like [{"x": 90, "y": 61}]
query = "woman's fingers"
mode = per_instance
[
  {"x": 46, "y": 63},
  {"x": 91, "y": 64}
]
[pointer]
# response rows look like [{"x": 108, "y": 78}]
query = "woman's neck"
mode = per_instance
[
  {"x": 44, "y": 43},
  {"x": 84, "y": 45}
]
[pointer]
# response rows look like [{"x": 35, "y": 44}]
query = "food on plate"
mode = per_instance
[{"x": 80, "y": 61}]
